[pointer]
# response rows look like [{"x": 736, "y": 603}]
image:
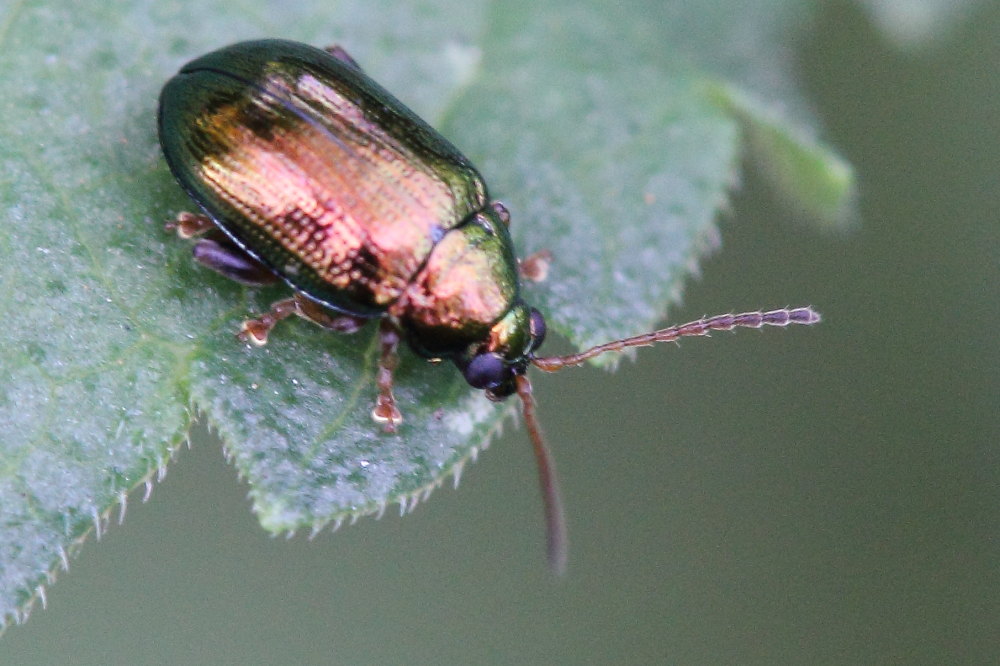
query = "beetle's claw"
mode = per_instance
[
  {"x": 254, "y": 332},
  {"x": 387, "y": 415}
]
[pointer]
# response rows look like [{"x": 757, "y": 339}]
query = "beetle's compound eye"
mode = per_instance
[
  {"x": 487, "y": 371},
  {"x": 537, "y": 324}
]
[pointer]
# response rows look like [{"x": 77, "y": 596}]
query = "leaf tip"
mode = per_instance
[{"x": 808, "y": 174}]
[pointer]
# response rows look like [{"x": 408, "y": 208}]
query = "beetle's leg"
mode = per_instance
[
  {"x": 385, "y": 411},
  {"x": 189, "y": 225},
  {"x": 535, "y": 267},
  {"x": 327, "y": 318},
  {"x": 338, "y": 52},
  {"x": 501, "y": 212},
  {"x": 255, "y": 331},
  {"x": 214, "y": 250}
]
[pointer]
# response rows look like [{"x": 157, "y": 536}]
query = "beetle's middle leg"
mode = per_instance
[
  {"x": 385, "y": 411},
  {"x": 255, "y": 331}
]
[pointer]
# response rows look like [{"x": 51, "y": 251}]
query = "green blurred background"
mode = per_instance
[{"x": 805, "y": 496}]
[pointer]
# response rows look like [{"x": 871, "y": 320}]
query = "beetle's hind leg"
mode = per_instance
[
  {"x": 216, "y": 251},
  {"x": 385, "y": 411},
  {"x": 255, "y": 331},
  {"x": 188, "y": 225}
]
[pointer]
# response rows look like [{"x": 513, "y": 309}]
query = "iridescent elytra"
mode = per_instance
[{"x": 307, "y": 171}]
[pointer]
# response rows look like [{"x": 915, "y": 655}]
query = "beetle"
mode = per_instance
[{"x": 307, "y": 171}]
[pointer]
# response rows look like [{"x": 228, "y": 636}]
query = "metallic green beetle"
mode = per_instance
[{"x": 307, "y": 171}]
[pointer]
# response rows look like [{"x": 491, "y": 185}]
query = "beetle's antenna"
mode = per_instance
[
  {"x": 703, "y": 326},
  {"x": 555, "y": 522}
]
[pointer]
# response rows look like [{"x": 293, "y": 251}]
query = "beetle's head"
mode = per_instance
[{"x": 506, "y": 353}]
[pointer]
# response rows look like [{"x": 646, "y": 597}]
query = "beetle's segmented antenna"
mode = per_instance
[
  {"x": 555, "y": 522},
  {"x": 703, "y": 326}
]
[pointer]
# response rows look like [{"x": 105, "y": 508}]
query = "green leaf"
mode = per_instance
[
  {"x": 603, "y": 127},
  {"x": 813, "y": 179}
]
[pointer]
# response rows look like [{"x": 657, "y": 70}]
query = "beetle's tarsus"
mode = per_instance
[
  {"x": 385, "y": 412},
  {"x": 387, "y": 415},
  {"x": 255, "y": 331},
  {"x": 188, "y": 225},
  {"x": 535, "y": 266}
]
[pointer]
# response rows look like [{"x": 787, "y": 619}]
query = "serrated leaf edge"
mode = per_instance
[{"x": 101, "y": 522}]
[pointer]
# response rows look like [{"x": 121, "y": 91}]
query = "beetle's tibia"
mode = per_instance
[{"x": 216, "y": 252}]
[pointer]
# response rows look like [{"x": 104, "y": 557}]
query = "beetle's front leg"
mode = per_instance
[
  {"x": 255, "y": 331},
  {"x": 385, "y": 411},
  {"x": 535, "y": 267}
]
